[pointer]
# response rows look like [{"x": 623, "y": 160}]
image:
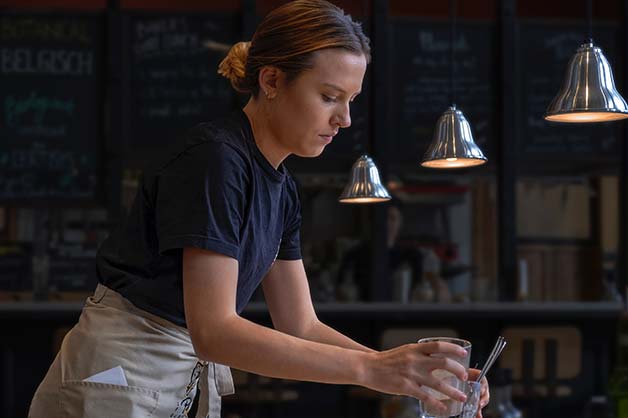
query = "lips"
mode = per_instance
[{"x": 327, "y": 138}]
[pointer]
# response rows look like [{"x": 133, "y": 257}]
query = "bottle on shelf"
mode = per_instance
[
  {"x": 402, "y": 283},
  {"x": 432, "y": 275},
  {"x": 422, "y": 292},
  {"x": 348, "y": 290}
]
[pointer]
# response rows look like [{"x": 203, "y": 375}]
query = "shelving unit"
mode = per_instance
[{"x": 28, "y": 336}]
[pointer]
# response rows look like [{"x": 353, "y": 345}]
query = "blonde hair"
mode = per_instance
[
  {"x": 287, "y": 39},
  {"x": 233, "y": 67}
]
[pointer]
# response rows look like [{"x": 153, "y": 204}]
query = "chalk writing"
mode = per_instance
[
  {"x": 46, "y": 30},
  {"x": 173, "y": 79},
  {"x": 46, "y": 61},
  {"x": 50, "y": 106},
  {"x": 38, "y": 156},
  {"x": 421, "y": 88},
  {"x": 38, "y": 105},
  {"x": 553, "y": 46}
]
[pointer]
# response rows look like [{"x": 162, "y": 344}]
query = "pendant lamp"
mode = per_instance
[
  {"x": 588, "y": 93},
  {"x": 452, "y": 145},
  {"x": 364, "y": 184}
]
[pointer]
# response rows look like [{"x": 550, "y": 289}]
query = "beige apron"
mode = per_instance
[{"x": 159, "y": 369}]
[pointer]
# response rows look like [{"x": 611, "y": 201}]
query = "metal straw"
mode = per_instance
[{"x": 497, "y": 350}]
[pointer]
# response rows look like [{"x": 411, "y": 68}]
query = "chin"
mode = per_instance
[{"x": 311, "y": 153}]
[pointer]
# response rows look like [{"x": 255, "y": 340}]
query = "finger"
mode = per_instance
[
  {"x": 484, "y": 400},
  {"x": 482, "y": 403},
  {"x": 473, "y": 374},
  {"x": 452, "y": 366},
  {"x": 444, "y": 386},
  {"x": 429, "y": 402},
  {"x": 485, "y": 394},
  {"x": 441, "y": 347}
]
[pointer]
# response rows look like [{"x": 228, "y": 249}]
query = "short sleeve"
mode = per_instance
[
  {"x": 200, "y": 199},
  {"x": 290, "y": 248}
]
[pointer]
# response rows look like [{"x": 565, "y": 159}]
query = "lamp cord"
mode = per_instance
[
  {"x": 452, "y": 39},
  {"x": 589, "y": 4}
]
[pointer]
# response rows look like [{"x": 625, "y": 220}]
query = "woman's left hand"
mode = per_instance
[{"x": 485, "y": 394}]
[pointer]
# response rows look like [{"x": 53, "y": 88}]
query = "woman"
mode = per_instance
[{"x": 207, "y": 226}]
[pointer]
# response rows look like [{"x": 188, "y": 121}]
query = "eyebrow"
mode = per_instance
[{"x": 333, "y": 86}]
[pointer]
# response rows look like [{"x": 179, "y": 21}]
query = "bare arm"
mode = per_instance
[
  {"x": 323, "y": 333},
  {"x": 289, "y": 301},
  {"x": 287, "y": 294},
  {"x": 219, "y": 334}
]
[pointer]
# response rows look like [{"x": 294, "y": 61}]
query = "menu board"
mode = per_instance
[
  {"x": 51, "y": 92},
  {"x": 420, "y": 83},
  {"x": 72, "y": 273},
  {"x": 15, "y": 266},
  {"x": 544, "y": 52},
  {"x": 173, "y": 82}
]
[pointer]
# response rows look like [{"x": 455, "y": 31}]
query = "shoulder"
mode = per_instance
[
  {"x": 225, "y": 136},
  {"x": 217, "y": 146},
  {"x": 229, "y": 130}
]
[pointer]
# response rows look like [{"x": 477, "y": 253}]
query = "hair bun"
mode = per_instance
[{"x": 234, "y": 65}]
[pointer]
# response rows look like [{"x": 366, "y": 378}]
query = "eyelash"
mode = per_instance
[{"x": 333, "y": 99}]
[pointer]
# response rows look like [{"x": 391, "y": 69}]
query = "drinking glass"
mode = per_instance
[
  {"x": 454, "y": 407},
  {"x": 473, "y": 391}
]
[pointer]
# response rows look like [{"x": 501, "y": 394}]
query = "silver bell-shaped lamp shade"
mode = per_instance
[
  {"x": 453, "y": 145},
  {"x": 588, "y": 93},
  {"x": 364, "y": 184}
]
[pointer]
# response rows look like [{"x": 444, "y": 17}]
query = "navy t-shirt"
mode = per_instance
[{"x": 217, "y": 192}]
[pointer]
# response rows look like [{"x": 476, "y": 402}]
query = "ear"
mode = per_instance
[{"x": 270, "y": 80}]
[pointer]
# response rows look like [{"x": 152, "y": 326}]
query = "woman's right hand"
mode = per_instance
[{"x": 406, "y": 369}]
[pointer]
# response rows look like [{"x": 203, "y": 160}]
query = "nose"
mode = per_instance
[{"x": 342, "y": 118}]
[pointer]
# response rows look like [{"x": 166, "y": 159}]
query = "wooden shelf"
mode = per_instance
[
  {"x": 375, "y": 310},
  {"x": 382, "y": 310}
]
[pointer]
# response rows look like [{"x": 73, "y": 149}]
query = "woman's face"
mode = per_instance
[{"x": 309, "y": 110}]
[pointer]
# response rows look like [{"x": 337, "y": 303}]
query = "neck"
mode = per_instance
[{"x": 265, "y": 139}]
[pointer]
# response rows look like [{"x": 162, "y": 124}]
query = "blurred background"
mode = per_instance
[{"x": 530, "y": 246}]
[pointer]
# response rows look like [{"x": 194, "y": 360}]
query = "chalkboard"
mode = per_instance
[
  {"x": 72, "y": 274},
  {"x": 545, "y": 48},
  {"x": 350, "y": 143},
  {"x": 50, "y": 87},
  {"x": 15, "y": 266},
  {"x": 420, "y": 68},
  {"x": 172, "y": 79}
]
